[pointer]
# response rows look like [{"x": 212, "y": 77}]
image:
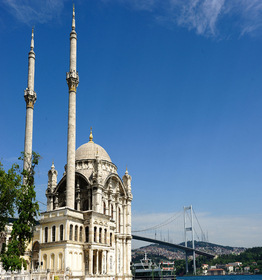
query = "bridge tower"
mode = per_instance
[{"x": 188, "y": 226}]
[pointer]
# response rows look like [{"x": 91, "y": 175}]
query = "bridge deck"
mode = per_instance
[{"x": 180, "y": 247}]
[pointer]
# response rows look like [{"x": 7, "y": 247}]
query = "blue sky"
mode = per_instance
[{"x": 171, "y": 88}]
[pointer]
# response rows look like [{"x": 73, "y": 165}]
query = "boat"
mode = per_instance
[{"x": 147, "y": 270}]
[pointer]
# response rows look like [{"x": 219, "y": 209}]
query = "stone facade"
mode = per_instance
[
  {"x": 86, "y": 231},
  {"x": 93, "y": 239}
]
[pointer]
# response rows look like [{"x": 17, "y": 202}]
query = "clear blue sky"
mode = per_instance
[{"x": 171, "y": 88}]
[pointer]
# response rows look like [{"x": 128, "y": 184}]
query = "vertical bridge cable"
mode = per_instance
[{"x": 203, "y": 234}]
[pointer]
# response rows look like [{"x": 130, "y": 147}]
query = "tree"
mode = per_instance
[
  {"x": 23, "y": 227},
  {"x": 9, "y": 185}
]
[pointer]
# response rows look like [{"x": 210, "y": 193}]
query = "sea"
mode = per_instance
[{"x": 222, "y": 277}]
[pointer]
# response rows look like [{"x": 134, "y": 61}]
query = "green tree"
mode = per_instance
[
  {"x": 23, "y": 227},
  {"x": 9, "y": 185}
]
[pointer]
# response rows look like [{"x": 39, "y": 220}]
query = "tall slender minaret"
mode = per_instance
[
  {"x": 30, "y": 98},
  {"x": 72, "y": 81}
]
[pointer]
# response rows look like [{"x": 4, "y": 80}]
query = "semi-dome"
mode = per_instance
[{"x": 90, "y": 150}]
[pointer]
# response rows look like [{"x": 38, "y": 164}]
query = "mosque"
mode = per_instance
[{"x": 86, "y": 231}]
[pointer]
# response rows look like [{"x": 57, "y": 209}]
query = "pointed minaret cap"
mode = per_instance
[
  {"x": 32, "y": 39},
  {"x": 73, "y": 19},
  {"x": 126, "y": 171},
  {"x": 53, "y": 166},
  {"x": 91, "y": 136}
]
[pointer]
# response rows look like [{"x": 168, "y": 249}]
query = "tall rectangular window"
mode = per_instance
[
  {"x": 61, "y": 232},
  {"x": 71, "y": 232},
  {"x": 100, "y": 235},
  {"x": 94, "y": 234},
  {"x": 81, "y": 234},
  {"x": 76, "y": 233},
  {"x": 53, "y": 233},
  {"x": 46, "y": 234},
  {"x": 87, "y": 234}
]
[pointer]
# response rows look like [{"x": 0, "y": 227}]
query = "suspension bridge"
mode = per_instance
[{"x": 170, "y": 230}]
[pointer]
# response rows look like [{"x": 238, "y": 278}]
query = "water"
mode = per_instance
[{"x": 222, "y": 277}]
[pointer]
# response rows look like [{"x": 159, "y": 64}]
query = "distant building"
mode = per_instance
[
  {"x": 235, "y": 263},
  {"x": 216, "y": 271},
  {"x": 246, "y": 269}
]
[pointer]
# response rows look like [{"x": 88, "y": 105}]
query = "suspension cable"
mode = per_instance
[
  {"x": 168, "y": 221},
  {"x": 198, "y": 223}
]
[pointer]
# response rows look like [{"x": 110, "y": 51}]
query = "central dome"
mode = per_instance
[{"x": 90, "y": 150}]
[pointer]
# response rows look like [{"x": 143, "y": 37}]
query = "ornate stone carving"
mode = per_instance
[
  {"x": 30, "y": 97},
  {"x": 72, "y": 79}
]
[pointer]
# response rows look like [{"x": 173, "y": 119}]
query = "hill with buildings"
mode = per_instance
[
  {"x": 228, "y": 260},
  {"x": 157, "y": 251}
]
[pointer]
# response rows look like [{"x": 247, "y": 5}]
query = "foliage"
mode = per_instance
[
  {"x": 9, "y": 184},
  {"x": 27, "y": 210},
  {"x": 251, "y": 257}
]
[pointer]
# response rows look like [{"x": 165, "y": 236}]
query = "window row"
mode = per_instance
[
  {"x": 100, "y": 236},
  {"x": 52, "y": 263},
  {"x": 53, "y": 234}
]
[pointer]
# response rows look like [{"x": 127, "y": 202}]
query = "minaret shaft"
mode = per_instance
[
  {"x": 73, "y": 51},
  {"x": 30, "y": 98},
  {"x": 72, "y": 81},
  {"x": 71, "y": 144}
]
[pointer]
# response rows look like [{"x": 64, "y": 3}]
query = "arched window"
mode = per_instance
[
  {"x": 53, "y": 233},
  {"x": 104, "y": 204},
  {"x": 105, "y": 236},
  {"x": 60, "y": 261},
  {"x": 71, "y": 232},
  {"x": 44, "y": 262},
  {"x": 81, "y": 234},
  {"x": 46, "y": 234},
  {"x": 61, "y": 232},
  {"x": 52, "y": 262},
  {"x": 111, "y": 237},
  {"x": 94, "y": 234},
  {"x": 112, "y": 211},
  {"x": 119, "y": 219},
  {"x": 87, "y": 234},
  {"x": 100, "y": 235},
  {"x": 76, "y": 233}
]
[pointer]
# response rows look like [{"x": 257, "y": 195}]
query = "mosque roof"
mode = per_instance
[{"x": 90, "y": 150}]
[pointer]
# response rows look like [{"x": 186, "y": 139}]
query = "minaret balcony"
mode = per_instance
[{"x": 72, "y": 74}]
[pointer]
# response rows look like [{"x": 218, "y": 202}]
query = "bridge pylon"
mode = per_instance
[{"x": 188, "y": 226}]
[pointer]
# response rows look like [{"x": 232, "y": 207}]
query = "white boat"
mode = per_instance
[{"x": 147, "y": 270}]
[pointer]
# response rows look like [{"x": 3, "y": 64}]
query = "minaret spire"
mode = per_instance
[
  {"x": 72, "y": 81},
  {"x": 30, "y": 99},
  {"x": 73, "y": 19}
]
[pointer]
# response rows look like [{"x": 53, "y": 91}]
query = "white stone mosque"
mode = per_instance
[{"x": 86, "y": 231}]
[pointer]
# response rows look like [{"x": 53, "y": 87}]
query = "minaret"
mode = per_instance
[
  {"x": 72, "y": 81},
  {"x": 30, "y": 98}
]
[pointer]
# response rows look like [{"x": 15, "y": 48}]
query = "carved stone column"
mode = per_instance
[{"x": 90, "y": 260}]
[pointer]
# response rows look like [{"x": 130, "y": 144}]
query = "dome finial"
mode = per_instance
[{"x": 91, "y": 135}]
